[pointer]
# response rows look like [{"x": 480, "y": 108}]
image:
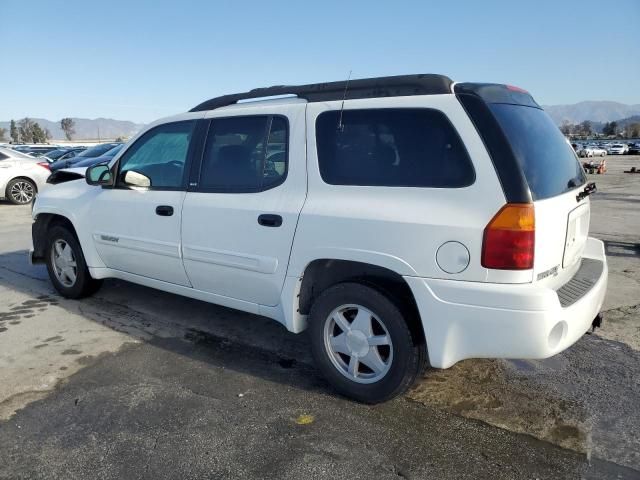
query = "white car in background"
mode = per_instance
[
  {"x": 617, "y": 149},
  {"x": 584, "y": 151},
  {"x": 21, "y": 176},
  {"x": 597, "y": 151}
]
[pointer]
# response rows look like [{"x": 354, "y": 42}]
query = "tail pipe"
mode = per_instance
[{"x": 597, "y": 322}]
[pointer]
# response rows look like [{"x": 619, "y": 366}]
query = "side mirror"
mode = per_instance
[
  {"x": 99, "y": 175},
  {"x": 136, "y": 179}
]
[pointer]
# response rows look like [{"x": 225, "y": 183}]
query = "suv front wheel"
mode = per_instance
[
  {"x": 362, "y": 344},
  {"x": 66, "y": 265}
]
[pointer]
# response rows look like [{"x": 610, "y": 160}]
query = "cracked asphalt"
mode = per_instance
[{"x": 136, "y": 383}]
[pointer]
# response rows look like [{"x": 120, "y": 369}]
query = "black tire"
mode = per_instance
[
  {"x": 25, "y": 185},
  {"x": 409, "y": 354},
  {"x": 84, "y": 284}
]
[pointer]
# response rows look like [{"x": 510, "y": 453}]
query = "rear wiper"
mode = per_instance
[{"x": 588, "y": 190}]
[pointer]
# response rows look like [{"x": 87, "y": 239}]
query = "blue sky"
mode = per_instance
[{"x": 140, "y": 60}]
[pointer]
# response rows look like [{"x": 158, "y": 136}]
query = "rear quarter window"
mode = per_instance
[{"x": 393, "y": 148}]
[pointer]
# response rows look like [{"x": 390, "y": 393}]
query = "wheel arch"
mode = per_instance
[
  {"x": 23, "y": 177},
  {"x": 321, "y": 274},
  {"x": 42, "y": 224}
]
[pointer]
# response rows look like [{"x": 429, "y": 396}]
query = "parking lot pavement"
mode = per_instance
[{"x": 139, "y": 383}]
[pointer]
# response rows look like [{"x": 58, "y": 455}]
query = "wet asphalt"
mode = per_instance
[{"x": 204, "y": 407}]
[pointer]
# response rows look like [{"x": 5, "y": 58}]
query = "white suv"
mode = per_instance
[{"x": 404, "y": 220}]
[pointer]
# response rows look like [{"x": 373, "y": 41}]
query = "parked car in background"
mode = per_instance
[
  {"x": 597, "y": 151},
  {"x": 35, "y": 150},
  {"x": 107, "y": 157},
  {"x": 80, "y": 168},
  {"x": 617, "y": 149},
  {"x": 92, "y": 152},
  {"x": 21, "y": 176},
  {"x": 584, "y": 151},
  {"x": 63, "y": 153},
  {"x": 634, "y": 149}
]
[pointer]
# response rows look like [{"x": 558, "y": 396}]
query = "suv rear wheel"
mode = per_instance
[
  {"x": 362, "y": 344},
  {"x": 66, "y": 265}
]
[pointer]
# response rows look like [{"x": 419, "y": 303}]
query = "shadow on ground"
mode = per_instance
[
  {"x": 200, "y": 325},
  {"x": 622, "y": 249},
  {"x": 583, "y": 399}
]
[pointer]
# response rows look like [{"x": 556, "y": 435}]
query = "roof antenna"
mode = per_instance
[{"x": 344, "y": 96}]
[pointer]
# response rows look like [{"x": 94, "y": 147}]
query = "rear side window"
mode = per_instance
[
  {"x": 547, "y": 160},
  {"x": 3, "y": 156},
  {"x": 245, "y": 154},
  {"x": 393, "y": 148}
]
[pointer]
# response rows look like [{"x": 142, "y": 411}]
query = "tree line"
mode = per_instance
[
  {"x": 609, "y": 129},
  {"x": 28, "y": 131}
]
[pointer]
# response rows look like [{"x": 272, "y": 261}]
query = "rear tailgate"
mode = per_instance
[
  {"x": 536, "y": 165},
  {"x": 562, "y": 227},
  {"x": 555, "y": 180}
]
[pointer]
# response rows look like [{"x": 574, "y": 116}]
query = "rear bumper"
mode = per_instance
[{"x": 484, "y": 320}]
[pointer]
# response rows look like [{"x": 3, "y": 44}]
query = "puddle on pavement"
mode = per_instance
[
  {"x": 499, "y": 393},
  {"x": 25, "y": 310}
]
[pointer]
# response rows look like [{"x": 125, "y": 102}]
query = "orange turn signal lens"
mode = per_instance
[{"x": 509, "y": 238}]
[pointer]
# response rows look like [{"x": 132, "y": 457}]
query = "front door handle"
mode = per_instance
[
  {"x": 164, "y": 210},
  {"x": 270, "y": 220}
]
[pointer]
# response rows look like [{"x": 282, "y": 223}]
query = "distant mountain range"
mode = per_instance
[
  {"x": 597, "y": 112},
  {"x": 87, "y": 129}
]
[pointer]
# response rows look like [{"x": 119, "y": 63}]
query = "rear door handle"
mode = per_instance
[
  {"x": 164, "y": 210},
  {"x": 270, "y": 220}
]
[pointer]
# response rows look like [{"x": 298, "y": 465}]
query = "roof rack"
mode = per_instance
[{"x": 396, "y": 86}]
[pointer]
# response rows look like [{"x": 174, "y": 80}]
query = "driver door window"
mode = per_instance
[{"x": 160, "y": 155}]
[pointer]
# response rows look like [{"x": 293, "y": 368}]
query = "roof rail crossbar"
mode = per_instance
[{"x": 396, "y": 86}]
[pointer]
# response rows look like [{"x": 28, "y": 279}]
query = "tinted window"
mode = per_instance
[
  {"x": 55, "y": 154},
  {"x": 67, "y": 155},
  {"x": 3, "y": 156},
  {"x": 160, "y": 154},
  {"x": 547, "y": 160},
  {"x": 245, "y": 154},
  {"x": 113, "y": 152},
  {"x": 391, "y": 147}
]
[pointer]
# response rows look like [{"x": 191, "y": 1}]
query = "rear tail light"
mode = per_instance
[
  {"x": 45, "y": 165},
  {"x": 509, "y": 238}
]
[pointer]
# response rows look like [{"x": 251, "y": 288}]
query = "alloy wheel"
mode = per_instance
[
  {"x": 22, "y": 191},
  {"x": 64, "y": 263},
  {"x": 358, "y": 343}
]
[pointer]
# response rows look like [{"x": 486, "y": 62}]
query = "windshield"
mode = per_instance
[
  {"x": 96, "y": 151},
  {"x": 55, "y": 154},
  {"x": 113, "y": 152},
  {"x": 547, "y": 160}
]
